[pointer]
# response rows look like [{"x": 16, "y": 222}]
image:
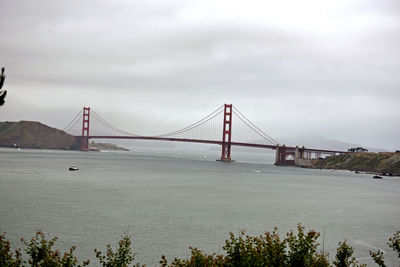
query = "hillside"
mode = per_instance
[
  {"x": 32, "y": 134},
  {"x": 386, "y": 163}
]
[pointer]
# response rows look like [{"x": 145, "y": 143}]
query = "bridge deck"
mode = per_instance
[{"x": 208, "y": 142}]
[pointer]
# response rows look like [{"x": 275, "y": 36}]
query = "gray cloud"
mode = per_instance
[{"x": 330, "y": 69}]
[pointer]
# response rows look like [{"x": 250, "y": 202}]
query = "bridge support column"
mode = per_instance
[
  {"x": 280, "y": 156},
  {"x": 277, "y": 155},
  {"x": 85, "y": 129},
  {"x": 296, "y": 156},
  {"x": 227, "y": 134},
  {"x": 285, "y": 156}
]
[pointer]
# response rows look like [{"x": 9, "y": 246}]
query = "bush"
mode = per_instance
[
  {"x": 264, "y": 250},
  {"x": 120, "y": 258},
  {"x": 6, "y": 255},
  {"x": 294, "y": 250},
  {"x": 394, "y": 243},
  {"x": 344, "y": 256}
]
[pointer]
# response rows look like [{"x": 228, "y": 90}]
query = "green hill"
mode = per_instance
[
  {"x": 384, "y": 162},
  {"x": 32, "y": 134}
]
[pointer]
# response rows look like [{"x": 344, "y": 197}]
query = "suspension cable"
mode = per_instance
[
  {"x": 72, "y": 123},
  {"x": 107, "y": 124},
  {"x": 254, "y": 127},
  {"x": 196, "y": 124}
]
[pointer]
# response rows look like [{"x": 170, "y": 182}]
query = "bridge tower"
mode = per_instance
[
  {"x": 85, "y": 129},
  {"x": 227, "y": 133}
]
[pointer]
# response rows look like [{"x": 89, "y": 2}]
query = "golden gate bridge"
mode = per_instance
[{"x": 212, "y": 129}]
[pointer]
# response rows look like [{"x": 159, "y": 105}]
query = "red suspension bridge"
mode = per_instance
[{"x": 87, "y": 124}]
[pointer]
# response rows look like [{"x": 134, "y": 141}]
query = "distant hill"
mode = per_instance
[
  {"x": 32, "y": 134},
  {"x": 105, "y": 146}
]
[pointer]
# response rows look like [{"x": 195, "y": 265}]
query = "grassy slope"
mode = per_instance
[{"x": 370, "y": 162}]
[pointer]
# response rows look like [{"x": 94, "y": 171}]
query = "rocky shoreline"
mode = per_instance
[{"x": 383, "y": 163}]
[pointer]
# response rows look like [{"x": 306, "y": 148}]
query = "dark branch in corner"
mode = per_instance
[{"x": 2, "y": 93}]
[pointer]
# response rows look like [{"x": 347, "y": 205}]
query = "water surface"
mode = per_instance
[{"x": 169, "y": 201}]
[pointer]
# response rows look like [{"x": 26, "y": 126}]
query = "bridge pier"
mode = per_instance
[
  {"x": 277, "y": 155},
  {"x": 284, "y": 156},
  {"x": 292, "y": 156},
  {"x": 298, "y": 156},
  {"x": 226, "y": 153}
]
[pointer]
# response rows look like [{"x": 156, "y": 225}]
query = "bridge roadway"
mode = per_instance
[{"x": 322, "y": 151}]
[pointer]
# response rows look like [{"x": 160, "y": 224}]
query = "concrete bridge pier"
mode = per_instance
[
  {"x": 289, "y": 156},
  {"x": 284, "y": 155},
  {"x": 299, "y": 156},
  {"x": 304, "y": 157},
  {"x": 296, "y": 155},
  {"x": 277, "y": 155}
]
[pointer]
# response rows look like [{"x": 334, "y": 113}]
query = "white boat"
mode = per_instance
[{"x": 73, "y": 168}]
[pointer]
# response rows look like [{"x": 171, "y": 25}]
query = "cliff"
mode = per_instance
[
  {"x": 384, "y": 162},
  {"x": 31, "y": 134}
]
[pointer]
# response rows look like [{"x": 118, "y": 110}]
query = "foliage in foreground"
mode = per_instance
[
  {"x": 268, "y": 249},
  {"x": 40, "y": 253}
]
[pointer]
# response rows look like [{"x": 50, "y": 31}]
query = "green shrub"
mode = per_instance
[
  {"x": 394, "y": 243},
  {"x": 303, "y": 248},
  {"x": 294, "y": 250},
  {"x": 122, "y": 257},
  {"x": 7, "y": 257},
  {"x": 378, "y": 258},
  {"x": 41, "y": 253},
  {"x": 344, "y": 256},
  {"x": 265, "y": 250}
]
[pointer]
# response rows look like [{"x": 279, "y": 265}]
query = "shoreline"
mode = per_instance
[{"x": 383, "y": 164}]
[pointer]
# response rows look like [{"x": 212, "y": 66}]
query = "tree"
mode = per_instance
[
  {"x": 41, "y": 253},
  {"x": 6, "y": 255},
  {"x": 122, "y": 257},
  {"x": 344, "y": 256},
  {"x": 294, "y": 250},
  {"x": 357, "y": 149},
  {"x": 2, "y": 93},
  {"x": 269, "y": 249},
  {"x": 394, "y": 243}
]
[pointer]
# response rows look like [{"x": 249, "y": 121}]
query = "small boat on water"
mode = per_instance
[
  {"x": 377, "y": 177},
  {"x": 73, "y": 168}
]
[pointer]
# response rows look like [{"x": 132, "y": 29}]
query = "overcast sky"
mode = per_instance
[{"x": 310, "y": 67}]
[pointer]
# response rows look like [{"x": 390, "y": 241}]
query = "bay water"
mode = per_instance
[{"x": 170, "y": 200}]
